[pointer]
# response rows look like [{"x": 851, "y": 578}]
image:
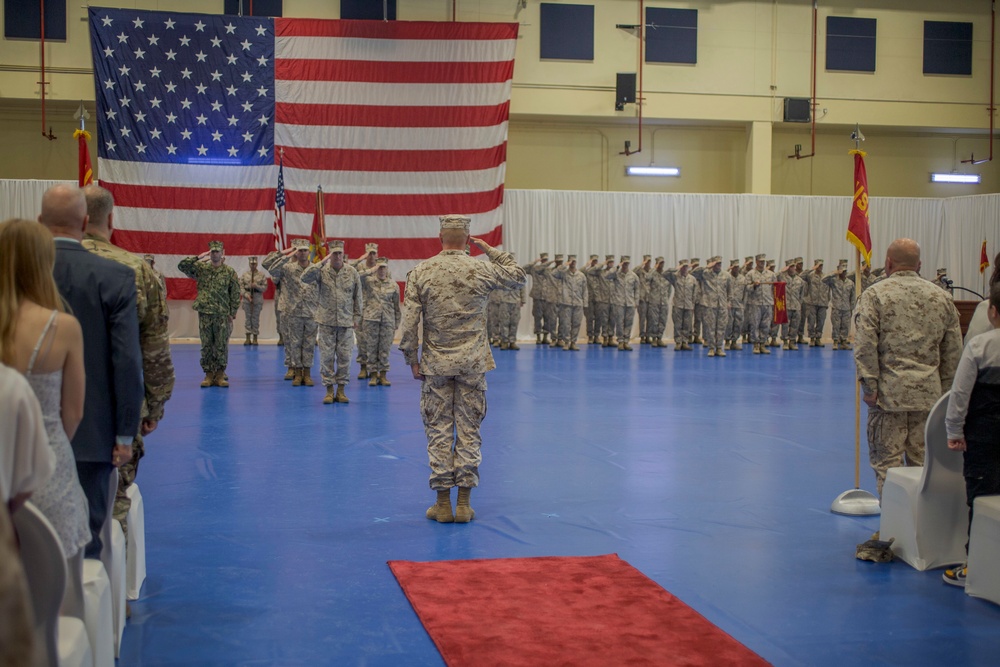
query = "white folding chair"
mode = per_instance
[
  {"x": 135, "y": 549},
  {"x": 113, "y": 557},
  {"x": 983, "y": 580},
  {"x": 924, "y": 508},
  {"x": 98, "y": 612},
  {"x": 63, "y": 638}
]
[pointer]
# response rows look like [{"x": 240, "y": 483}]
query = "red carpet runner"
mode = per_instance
[{"x": 576, "y": 611}]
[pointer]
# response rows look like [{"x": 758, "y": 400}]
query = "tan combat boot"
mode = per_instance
[
  {"x": 573, "y": 347},
  {"x": 341, "y": 397},
  {"x": 373, "y": 379},
  {"x": 247, "y": 341},
  {"x": 383, "y": 380},
  {"x": 297, "y": 378},
  {"x": 254, "y": 341},
  {"x": 627, "y": 347},
  {"x": 504, "y": 346},
  {"x": 719, "y": 352},
  {"x": 764, "y": 350},
  {"x": 756, "y": 348},
  {"x": 711, "y": 352},
  {"x": 290, "y": 373},
  {"x": 463, "y": 512},
  {"x": 514, "y": 346},
  {"x": 621, "y": 346},
  {"x": 328, "y": 399},
  {"x": 220, "y": 379},
  {"x": 441, "y": 510},
  {"x": 364, "y": 372},
  {"x": 307, "y": 377},
  {"x": 209, "y": 380}
]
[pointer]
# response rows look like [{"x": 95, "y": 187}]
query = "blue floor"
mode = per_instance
[{"x": 270, "y": 517}]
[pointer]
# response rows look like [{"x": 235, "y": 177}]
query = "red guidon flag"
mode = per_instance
[
  {"x": 780, "y": 306},
  {"x": 86, "y": 171},
  {"x": 984, "y": 259},
  {"x": 317, "y": 237},
  {"x": 858, "y": 230}
]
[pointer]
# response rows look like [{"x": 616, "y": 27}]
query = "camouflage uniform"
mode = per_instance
[
  {"x": 590, "y": 308},
  {"x": 573, "y": 289},
  {"x": 842, "y": 302},
  {"x": 511, "y": 302},
  {"x": 737, "y": 307},
  {"x": 552, "y": 294},
  {"x": 642, "y": 307},
  {"x": 602, "y": 301},
  {"x": 908, "y": 345},
  {"x": 217, "y": 303},
  {"x": 299, "y": 312},
  {"x": 157, "y": 366},
  {"x": 537, "y": 302},
  {"x": 381, "y": 317},
  {"x": 445, "y": 305},
  {"x": 339, "y": 304},
  {"x": 685, "y": 293},
  {"x": 817, "y": 300},
  {"x": 280, "y": 302},
  {"x": 659, "y": 304},
  {"x": 493, "y": 317},
  {"x": 362, "y": 265},
  {"x": 794, "y": 290},
  {"x": 940, "y": 278},
  {"x": 253, "y": 284},
  {"x": 624, "y": 295},
  {"x": 714, "y": 302},
  {"x": 761, "y": 308},
  {"x": 277, "y": 313}
]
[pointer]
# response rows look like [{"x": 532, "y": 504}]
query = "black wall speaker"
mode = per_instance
[
  {"x": 624, "y": 90},
  {"x": 798, "y": 109}
]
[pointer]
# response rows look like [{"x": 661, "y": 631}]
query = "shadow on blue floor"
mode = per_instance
[{"x": 270, "y": 516}]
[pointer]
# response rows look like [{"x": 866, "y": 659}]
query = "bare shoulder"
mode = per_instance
[{"x": 68, "y": 326}]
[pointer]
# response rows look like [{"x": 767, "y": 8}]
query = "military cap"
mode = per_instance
[
  {"x": 817, "y": 261},
  {"x": 215, "y": 245},
  {"x": 609, "y": 258},
  {"x": 335, "y": 246},
  {"x": 570, "y": 258},
  {"x": 646, "y": 257},
  {"x": 543, "y": 255},
  {"x": 300, "y": 244},
  {"x": 761, "y": 257},
  {"x": 371, "y": 247},
  {"x": 842, "y": 262},
  {"x": 148, "y": 257},
  {"x": 658, "y": 260},
  {"x": 683, "y": 262},
  {"x": 559, "y": 256},
  {"x": 771, "y": 263},
  {"x": 942, "y": 272},
  {"x": 594, "y": 257},
  {"x": 695, "y": 260},
  {"x": 625, "y": 258},
  {"x": 252, "y": 259},
  {"x": 382, "y": 261},
  {"x": 712, "y": 261},
  {"x": 734, "y": 262},
  {"x": 789, "y": 262},
  {"x": 455, "y": 221},
  {"x": 798, "y": 260},
  {"x": 748, "y": 258}
]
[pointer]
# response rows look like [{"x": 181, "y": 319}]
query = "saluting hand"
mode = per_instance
[{"x": 479, "y": 243}]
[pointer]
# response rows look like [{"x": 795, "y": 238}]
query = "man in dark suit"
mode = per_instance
[{"x": 102, "y": 296}]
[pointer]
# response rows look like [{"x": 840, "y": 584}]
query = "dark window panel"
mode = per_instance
[
  {"x": 367, "y": 10},
  {"x": 567, "y": 32},
  {"x": 259, "y": 7},
  {"x": 947, "y": 48},
  {"x": 22, "y": 19},
  {"x": 671, "y": 35}
]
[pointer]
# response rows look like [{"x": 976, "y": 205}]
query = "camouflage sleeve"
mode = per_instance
[
  {"x": 396, "y": 311},
  {"x": 260, "y": 284},
  {"x": 866, "y": 343},
  {"x": 951, "y": 347},
  {"x": 698, "y": 273},
  {"x": 157, "y": 366},
  {"x": 507, "y": 271},
  {"x": 828, "y": 280},
  {"x": 274, "y": 263},
  {"x": 189, "y": 267},
  {"x": 586, "y": 293},
  {"x": 524, "y": 296},
  {"x": 312, "y": 274},
  {"x": 359, "y": 299},
  {"x": 409, "y": 340},
  {"x": 234, "y": 294}
]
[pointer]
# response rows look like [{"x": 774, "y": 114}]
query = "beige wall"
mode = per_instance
[{"x": 565, "y": 134}]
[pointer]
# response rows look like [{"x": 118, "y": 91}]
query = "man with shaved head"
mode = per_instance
[
  {"x": 907, "y": 347},
  {"x": 102, "y": 295}
]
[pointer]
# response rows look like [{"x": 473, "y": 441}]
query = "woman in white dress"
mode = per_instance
[{"x": 45, "y": 343}]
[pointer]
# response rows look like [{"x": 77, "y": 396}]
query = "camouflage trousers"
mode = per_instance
[
  {"x": 656, "y": 322},
  {"x": 775, "y": 328},
  {"x": 622, "y": 318},
  {"x": 894, "y": 439},
  {"x": 214, "y": 333},
  {"x": 126, "y": 476},
  {"x": 841, "y": 320},
  {"x": 800, "y": 325},
  {"x": 300, "y": 341},
  {"x": 359, "y": 336},
  {"x": 252, "y": 308},
  {"x": 643, "y": 312},
  {"x": 552, "y": 318},
  {"x": 378, "y": 338},
  {"x": 590, "y": 317},
  {"x": 602, "y": 319},
  {"x": 570, "y": 319},
  {"x": 510, "y": 316},
  {"x": 282, "y": 325},
  {"x": 538, "y": 314},
  {"x": 493, "y": 320},
  {"x": 714, "y": 326},
  {"x": 734, "y": 326},
  {"x": 453, "y": 408},
  {"x": 699, "y": 320},
  {"x": 761, "y": 318},
  {"x": 277, "y": 315},
  {"x": 790, "y": 330},
  {"x": 815, "y": 320},
  {"x": 683, "y": 323},
  {"x": 335, "y": 354}
]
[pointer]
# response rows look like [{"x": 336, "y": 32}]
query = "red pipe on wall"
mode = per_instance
[
  {"x": 812, "y": 105},
  {"x": 992, "y": 108},
  {"x": 638, "y": 95}
]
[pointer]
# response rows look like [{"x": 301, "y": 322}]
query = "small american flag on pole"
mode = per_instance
[
  {"x": 398, "y": 122},
  {"x": 280, "y": 242}
]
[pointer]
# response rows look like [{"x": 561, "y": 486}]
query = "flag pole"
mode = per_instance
[{"x": 856, "y": 502}]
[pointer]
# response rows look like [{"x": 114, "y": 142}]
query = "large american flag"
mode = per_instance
[{"x": 398, "y": 122}]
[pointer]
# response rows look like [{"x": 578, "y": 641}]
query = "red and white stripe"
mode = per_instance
[{"x": 398, "y": 122}]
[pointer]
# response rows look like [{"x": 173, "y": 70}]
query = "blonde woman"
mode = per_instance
[{"x": 45, "y": 343}]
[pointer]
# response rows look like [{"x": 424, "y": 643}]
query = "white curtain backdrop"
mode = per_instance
[{"x": 950, "y": 231}]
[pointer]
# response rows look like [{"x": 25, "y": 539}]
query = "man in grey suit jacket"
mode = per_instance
[{"x": 101, "y": 294}]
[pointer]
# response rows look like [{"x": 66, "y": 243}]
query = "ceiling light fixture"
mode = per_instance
[
  {"x": 652, "y": 171},
  {"x": 974, "y": 179}
]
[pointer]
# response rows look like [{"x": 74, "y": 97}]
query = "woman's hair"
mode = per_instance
[
  {"x": 995, "y": 296},
  {"x": 27, "y": 255},
  {"x": 995, "y": 278}
]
